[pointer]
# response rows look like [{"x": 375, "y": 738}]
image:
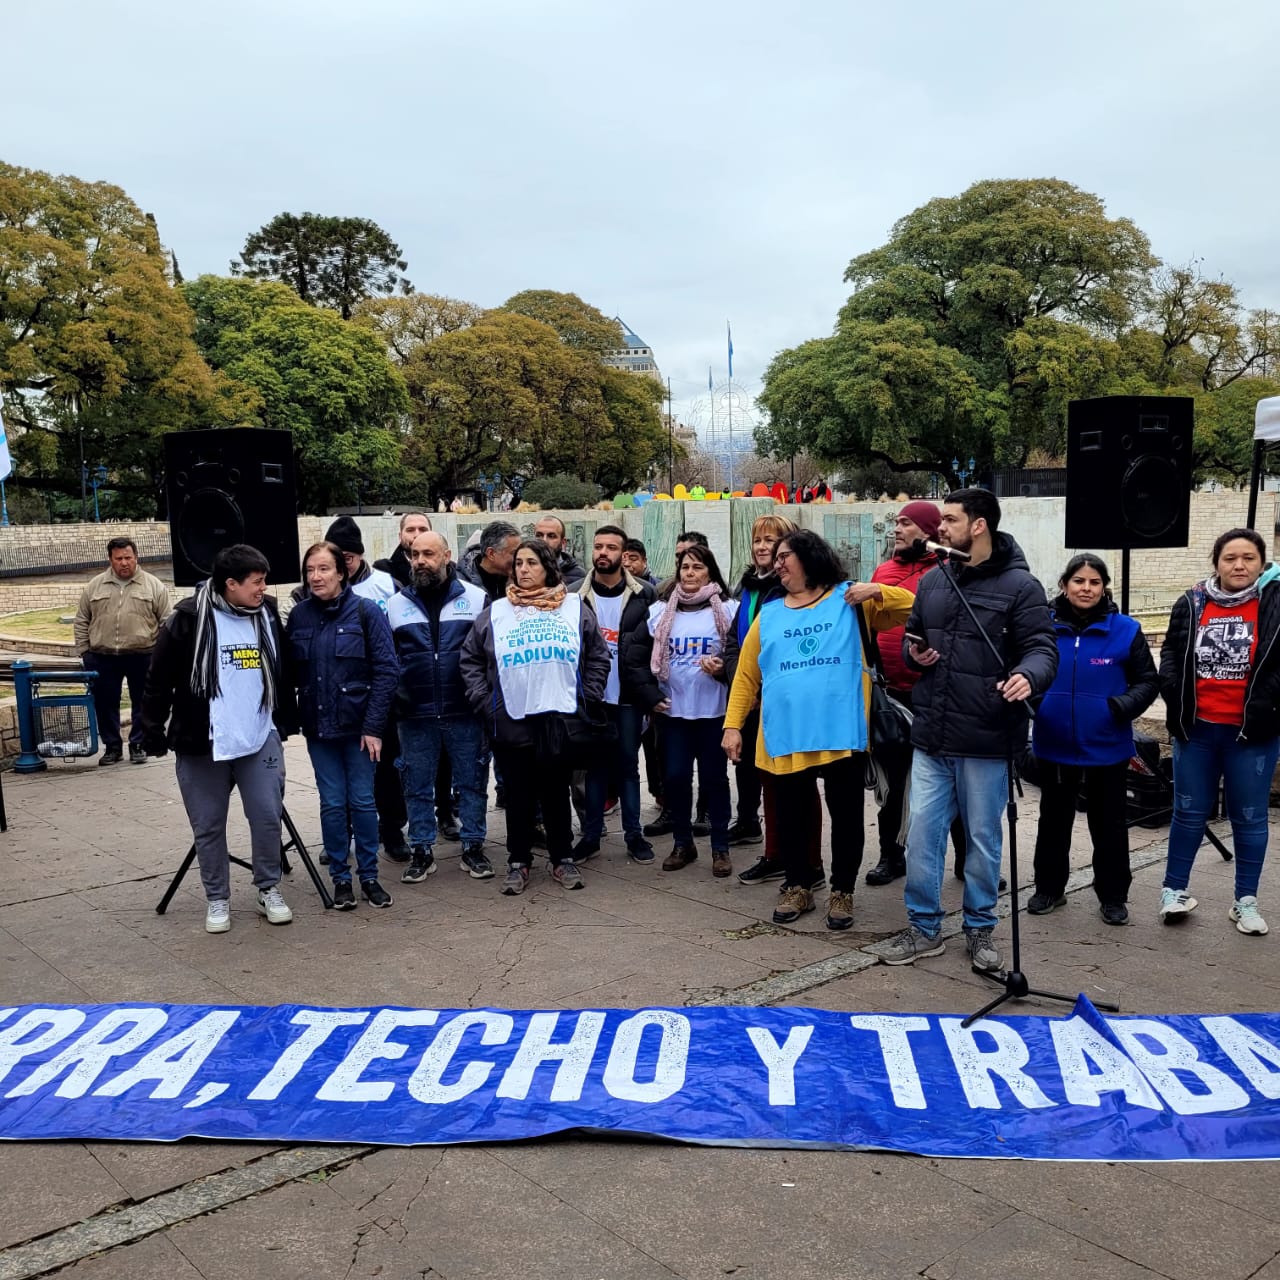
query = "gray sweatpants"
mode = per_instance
[{"x": 206, "y": 785}]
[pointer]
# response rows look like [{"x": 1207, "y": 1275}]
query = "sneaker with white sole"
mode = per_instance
[
  {"x": 909, "y": 946},
  {"x": 1244, "y": 911},
  {"x": 1175, "y": 905},
  {"x": 984, "y": 955},
  {"x": 217, "y": 916},
  {"x": 273, "y": 906}
]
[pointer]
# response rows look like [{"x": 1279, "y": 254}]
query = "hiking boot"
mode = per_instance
[
  {"x": 217, "y": 915},
  {"x": 660, "y": 826},
  {"x": 516, "y": 879},
  {"x": 112, "y": 755},
  {"x": 792, "y": 904},
  {"x": 1040, "y": 904},
  {"x": 421, "y": 865},
  {"x": 136, "y": 753},
  {"x": 909, "y": 946},
  {"x": 473, "y": 861},
  {"x": 343, "y": 897},
  {"x": 1114, "y": 912},
  {"x": 1175, "y": 905},
  {"x": 745, "y": 833},
  {"x": 839, "y": 910},
  {"x": 720, "y": 863},
  {"x": 761, "y": 871},
  {"x": 639, "y": 849},
  {"x": 273, "y": 906},
  {"x": 1244, "y": 911},
  {"x": 887, "y": 870},
  {"x": 567, "y": 875},
  {"x": 984, "y": 956},
  {"x": 448, "y": 829},
  {"x": 585, "y": 849},
  {"x": 375, "y": 894},
  {"x": 394, "y": 847},
  {"x": 680, "y": 856}
]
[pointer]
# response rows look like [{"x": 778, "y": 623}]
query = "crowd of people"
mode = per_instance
[{"x": 412, "y": 679}]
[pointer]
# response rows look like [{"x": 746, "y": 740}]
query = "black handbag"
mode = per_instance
[
  {"x": 589, "y": 733},
  {"x": 890, "y": 721}
]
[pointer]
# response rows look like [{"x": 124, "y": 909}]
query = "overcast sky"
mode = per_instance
[{"x": 674, "y": 163}]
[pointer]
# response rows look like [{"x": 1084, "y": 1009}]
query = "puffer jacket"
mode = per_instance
[
  {"x": 344, "y": 664},
  {"x": 1178, "y": 666},
  {"x": 469, "y": 571},
  {"x": 958, "y": 709},
  {"x": 905, "y": 574},
  {"x": 484, "y": 688},
  {"x": 430, "y": 654},
  {"x": 1106, "y": 679}
]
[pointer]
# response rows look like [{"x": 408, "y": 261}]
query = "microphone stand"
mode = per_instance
[{"x": 1013, "y": 980}]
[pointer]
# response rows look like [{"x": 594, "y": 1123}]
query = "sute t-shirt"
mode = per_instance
[
  {"x": 609, "y": 616},
  {"x": 1225, "y": 643},
  {"x": 694, "y": 694},
  {"x": 238, "y": 722}
]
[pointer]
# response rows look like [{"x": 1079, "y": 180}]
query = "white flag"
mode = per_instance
[{"x": 6, "y": 462}]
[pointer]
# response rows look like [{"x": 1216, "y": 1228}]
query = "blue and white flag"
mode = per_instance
[
  {"x": 6, "y": 462},
  {"x": 729, "y": 331}
]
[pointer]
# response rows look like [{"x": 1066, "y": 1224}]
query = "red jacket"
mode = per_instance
[{"x": 906, "y": 574}]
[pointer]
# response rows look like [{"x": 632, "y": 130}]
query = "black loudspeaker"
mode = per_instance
[
  {"x": 229, "y": 486},
  {"x": 1129, "y": 471}
]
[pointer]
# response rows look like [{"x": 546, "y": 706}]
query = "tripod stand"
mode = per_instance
[
  {"x": 1013, "y": 980},
  {"x": 294, "y": 842}
]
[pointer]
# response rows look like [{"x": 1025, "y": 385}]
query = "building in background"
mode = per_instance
[{"x": 636, "y": 356}]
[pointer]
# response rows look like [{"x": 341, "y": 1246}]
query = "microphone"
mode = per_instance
[{"x": 938, "y": 549}]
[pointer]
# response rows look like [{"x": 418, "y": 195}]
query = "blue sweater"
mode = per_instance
[
  {"x": 345, "y": 666},
  {"x": 429, "y": 647}
]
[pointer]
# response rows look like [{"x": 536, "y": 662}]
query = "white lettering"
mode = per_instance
[
  {"x": 425, "y": 1084},
  {"x": 1253, "y": 1056},
  {"x": 60, "y": 1023},
  {"x": 669, "y": 1070},
  {"x": 344, "y": 1083},
  {"x": 320, "y": 1024},
  {"x": 91, "y": 1052},
  {"x": 976, "y": 1066},
  {"x": 895, "y": 1049},
  {"x": 174, "y": 1062},
  {"x": 780, "y": 1060},
  {"x": 1080, "y": 1047},
  {"x": 1174, "y": 1053},
  {"x": 574, "y": 1056}
]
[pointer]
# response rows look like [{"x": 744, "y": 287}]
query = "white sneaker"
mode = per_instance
[
  {"x": 1244, "y": 911},
  {"x": 1175, "y": 905},
  {"x": 273, "y": 906},
  {"x": 217, "y": 916}
]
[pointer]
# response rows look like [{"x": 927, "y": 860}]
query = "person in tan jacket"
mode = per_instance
[{"x": 119, "y": 616}]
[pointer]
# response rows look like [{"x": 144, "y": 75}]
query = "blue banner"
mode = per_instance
[{"x": 1081, "y": 1087}]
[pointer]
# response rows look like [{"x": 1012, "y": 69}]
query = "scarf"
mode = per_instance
[
  {"x": 536, "y": 597},
  {"x": 1227, "y": 599},
  {"x": 660, "y": 662},
  {"x": 204, "y": 671}
]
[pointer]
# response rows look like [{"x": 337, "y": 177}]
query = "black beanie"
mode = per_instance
[{"x": 344, "y": 533}]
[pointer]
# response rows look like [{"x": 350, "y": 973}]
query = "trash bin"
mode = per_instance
[{"x": 56, "y": 716}]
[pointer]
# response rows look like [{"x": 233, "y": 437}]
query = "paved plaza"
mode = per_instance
[{"x": 89, "y": 852}]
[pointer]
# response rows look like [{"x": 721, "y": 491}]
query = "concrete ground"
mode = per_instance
[{"x": 89, "y": 851}]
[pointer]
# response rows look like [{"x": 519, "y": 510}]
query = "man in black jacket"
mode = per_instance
[
  {"x": 621, "y": 603},
  {"x": 967, "y": 718},
  {"x": 397, "y": 563},
  {"x": 551, "y": 530},
  {"x": 220, "y": 679}
]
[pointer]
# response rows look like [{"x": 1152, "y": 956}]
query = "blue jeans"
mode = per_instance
[
  {"x": 114, "y": 670},
  {"x": 941, "y": 787},
  {"x": 421, "y": 742},
  {"x": 344, "y": 778},
  {"x": 687, "y": 741},
  {"x": 625, "y": 764},
  {"x": 1213, "y": 752}
]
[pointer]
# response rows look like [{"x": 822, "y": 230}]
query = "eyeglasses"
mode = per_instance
[{"x": 783, "y": 555}]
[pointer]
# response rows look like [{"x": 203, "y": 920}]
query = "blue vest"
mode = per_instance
[{"x": 811, "y": 668}]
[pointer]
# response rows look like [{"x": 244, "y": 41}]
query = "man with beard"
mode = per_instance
[
  {"x": 429, "y": 621},
  {"x": 967, "y": 720},
  {"x": 621, "y": 603},
  {"x": 550, "y": 529},
  {"x": 397, "y": 563}
]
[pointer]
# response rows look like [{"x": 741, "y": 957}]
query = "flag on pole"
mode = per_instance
[
  {"x": 711, "y": 386},
  {"x": 6, "y": 462},
  {"x": 729, "y": 331}
]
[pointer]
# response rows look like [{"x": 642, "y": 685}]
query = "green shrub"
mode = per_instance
[{"x": 561, "y": 492}]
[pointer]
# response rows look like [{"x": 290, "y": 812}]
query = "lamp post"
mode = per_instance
[
  {"x": 962, "y": 473},
  {"x": 489, "y": 484},
  {"x": 95, "y": 477}
]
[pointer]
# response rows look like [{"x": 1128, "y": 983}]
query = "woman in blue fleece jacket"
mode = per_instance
[{"x": 1083, "y": 735}]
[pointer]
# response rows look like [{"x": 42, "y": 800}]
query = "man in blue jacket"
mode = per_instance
[{"x": 429, "y": 620}]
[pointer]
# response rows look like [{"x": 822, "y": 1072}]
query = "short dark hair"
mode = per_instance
[
  {"x": 549, "y": 516},
  {"x": 495, "y": 534},
  {"x": 119, "y": 544},
  {"x": 423, "y": 514},
  {"x": 544, "y": 554},
  {"x": 635, "y": 546},
  {"x": 703, "y": 555},
  {"x": 614, "y": 531},
  {"x": 692, "y": 535},
  {"x": 819, "y": 561},
  {"x": 339, "y": 560},
  {"x": 978, "y": 504},
  {"x": 1249, "y": 535},
  {"x": 237, "y": 563},
  {"x": 1080, "y": 561}
]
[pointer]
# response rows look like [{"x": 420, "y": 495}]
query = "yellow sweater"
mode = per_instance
[{"x": 890, "y": 611}]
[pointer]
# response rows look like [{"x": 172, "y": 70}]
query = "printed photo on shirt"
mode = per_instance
[{"x": 1223, "y": 647}]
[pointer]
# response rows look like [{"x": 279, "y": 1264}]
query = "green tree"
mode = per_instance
[
  {"x": 407, "y": 323},
  {"x": 327, "y": 261},
  {"x": 579, "y": 324},
  {"x": 309, "y": 372},
  {"x": 96, "y": 347}
]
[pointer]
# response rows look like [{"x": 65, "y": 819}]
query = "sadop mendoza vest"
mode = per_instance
[{"x": 811, "y": 667}]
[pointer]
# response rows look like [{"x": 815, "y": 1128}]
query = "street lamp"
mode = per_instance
[
  {"x": 97, "y": 477},
  {"x": 489, "y": 484},
  {"x": 962, "y": 473}
]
